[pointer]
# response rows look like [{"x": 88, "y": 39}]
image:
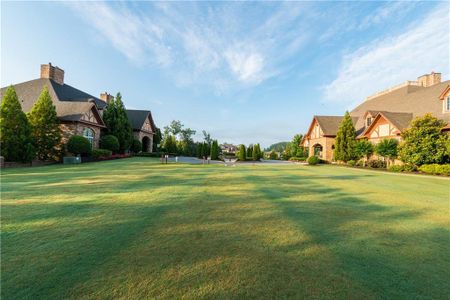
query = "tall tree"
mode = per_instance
[
  {"x": 215, "y": 150},
  {"x": 174, "y": 128},
  {"x": 242, "y": 154},
  {"x": 255, "y": 152},
  {"x": 157, "y": 138},
  {"x": 199, "y": 150},
  {"x": 170, "y": 144},
  {"x": 345, "y": 140},
  {"x": 250, "y": 150},
  {"x": 295, "y": 145},
  {"x": 15, "y": 130},
  {"x": 207, "y": 137},
  {"x": 117, "y": 123},
  {"x": 45, "y": 127},
  {"x": 424, "y": 142}
]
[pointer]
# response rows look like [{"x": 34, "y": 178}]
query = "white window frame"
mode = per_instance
[{"x": 89, "y": 134}]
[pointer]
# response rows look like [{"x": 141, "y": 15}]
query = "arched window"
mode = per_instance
[{"x": 89, "y": 134}]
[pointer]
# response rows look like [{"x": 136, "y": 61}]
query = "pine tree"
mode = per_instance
[
  {"x": 117, "y": 123},
  {"x": 45, "y": 127},
  {"x": 242, "y": 155},
  {"x": 345, "y": 140},
  {"x": 199, "y": 150},
  {"x": 206, "y": 149},
  {"x": 214, "y": 150},
  {"x": 15, "y": 130},
  {"x": 255, "y": 153}
]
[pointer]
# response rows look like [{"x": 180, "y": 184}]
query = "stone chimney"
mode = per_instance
[
  {"x": 52, "y": 72},
  {"x": 429, "y": 79},
  {"x": 106, "y": 97}
]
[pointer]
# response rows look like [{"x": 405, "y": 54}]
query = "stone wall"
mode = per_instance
[
  {"x": 76, "y": 128},
  {"x": 139, "y": 135},
  {"x": 327, "y": 144}
]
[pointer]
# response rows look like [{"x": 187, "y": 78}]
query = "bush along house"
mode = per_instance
[
  {"x": 384, "y": 115},
  {"x": 79, "y": 112}
]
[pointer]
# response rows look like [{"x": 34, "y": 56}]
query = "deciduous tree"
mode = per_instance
[{"x": 424, "y": 142}]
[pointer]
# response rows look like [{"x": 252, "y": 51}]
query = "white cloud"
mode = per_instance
[
  {"x": 198, "y": 43},
  {"x": 247, "y": 67},
  {"x": 421, "y": 49}
]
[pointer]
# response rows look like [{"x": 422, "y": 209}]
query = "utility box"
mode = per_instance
[{"x": 72, "y": 160}]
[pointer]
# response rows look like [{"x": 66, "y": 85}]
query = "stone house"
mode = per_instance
[
  {"x": 80, "y": 113},
  {"x": 385, "y": 114},
  {"x": 143, "y": 127}
]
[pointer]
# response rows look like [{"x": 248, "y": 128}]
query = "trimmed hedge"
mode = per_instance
[
  {"x": 79, "y": 145},
  {"x": 435, "y": 169},
  {"x": 149, "y": 154},
  {"x": 402, "y": 168},
  {"x": 99, "y": 153},
  {"x": 110, "y": 142},
  {"x": 313, "y": 160}
]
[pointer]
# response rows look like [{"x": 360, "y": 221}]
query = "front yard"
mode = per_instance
[{"x": 134, "y": 228}]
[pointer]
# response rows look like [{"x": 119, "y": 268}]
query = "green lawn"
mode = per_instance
[{"x": 133, "y": 228}]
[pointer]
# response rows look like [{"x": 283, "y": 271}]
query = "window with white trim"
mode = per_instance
[
  {"x": 368, "y": 121},
  {"x": 89, "y": 134},
  {"x": 447, "y": 105}
]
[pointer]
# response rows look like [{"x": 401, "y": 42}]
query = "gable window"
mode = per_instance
[
  {"x": 447, "y": 104},
  {"x": 88, "y": 133},
  {"x": 368, "y": 121}
]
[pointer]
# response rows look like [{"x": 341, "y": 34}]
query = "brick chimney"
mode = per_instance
[
  {"x": 429, "y": 79},
  {"x": 52, "y": 72},
  {"x": 106, "y": 97}
]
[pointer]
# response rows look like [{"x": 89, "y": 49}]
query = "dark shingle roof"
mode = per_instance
[
  {"x": 330, "y": 124},
  {"x": 138, "y": 117},
  {"x": 29, "y": 91},
  {"x": 416, "y": 100},
  {"x": 70, "y": 103}
]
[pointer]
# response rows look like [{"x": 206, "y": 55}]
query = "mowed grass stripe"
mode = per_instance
[{"x": 134, "y": 228}]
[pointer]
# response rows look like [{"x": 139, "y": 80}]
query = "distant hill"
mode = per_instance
[{"x": 279, "y": 147}]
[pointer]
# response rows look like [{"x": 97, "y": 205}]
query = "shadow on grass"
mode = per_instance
[{"x": 247, "y": 236}]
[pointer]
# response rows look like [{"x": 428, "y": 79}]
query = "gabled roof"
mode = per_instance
[
  {"x": 399, "y": 119},
  {"x": 330, "y": 124},
  {"x": 70, "y": 103},
  {"x": 417, "y": 100},
  {"x": 445, "y": 92},
  {"x": 138, "y": 117},
  {"x": 29, "y": 91}
]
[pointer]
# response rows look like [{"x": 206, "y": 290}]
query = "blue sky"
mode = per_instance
[{"x": 246, "y": 72}]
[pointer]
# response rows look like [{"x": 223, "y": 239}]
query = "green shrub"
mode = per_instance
[
  {"x": 136, "y": 146},
  {"x": 360, "y": 163},
  {"x": 402, "y": 168},
  {"x": 377, "y": 164},
  {"x": 110, "y": 142},
  {"x": 351, "y": 163},
  {"x": 98, "y": 153},
  {"x": 79, "y": 145},
  {"x": 436, "y": 169},
  {"x": 313, "y": 160}
]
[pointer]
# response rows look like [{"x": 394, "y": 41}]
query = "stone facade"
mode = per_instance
[
  {"x": 77, "y": 128},
  {"x": 145, "y": 138},
  {"x": 317, "y": 140}
]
